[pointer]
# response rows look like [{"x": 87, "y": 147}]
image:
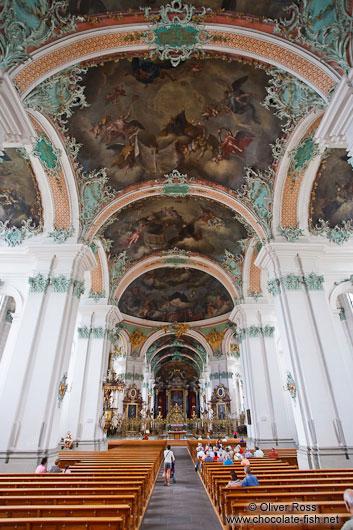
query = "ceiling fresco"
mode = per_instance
[
  {"x": 332, "y": 196},
  {"x": 269, "y": 8},
  {"x": 19, "y": 193},
  {"x": 175, "y": 295},
  {"x": 204, "y": 117},
  {"x": 196, "y": 225}
]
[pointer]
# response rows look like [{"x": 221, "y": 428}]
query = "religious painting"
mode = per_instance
[
  {"x": 175, "y": 295},
  {"x": 188, "y": 223},
  {"x": 132, "y": 411},
  {"x": 176, "y": 398},
  {"x": 19, "y": 194},
  {"x": 332, "y": 195},
  {"x": 258, "y": 8},
  {"x": 145, "y": 118},
  {"x": 221, "y": 411}
]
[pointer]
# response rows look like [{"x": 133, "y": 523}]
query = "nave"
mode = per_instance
[{"x": 123, "y": 489}]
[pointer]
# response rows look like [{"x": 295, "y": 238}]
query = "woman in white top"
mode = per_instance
[{"x": 169, "y": 458}]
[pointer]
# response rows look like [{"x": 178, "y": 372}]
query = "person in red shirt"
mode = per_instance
[{"x": 273, "y": 453}]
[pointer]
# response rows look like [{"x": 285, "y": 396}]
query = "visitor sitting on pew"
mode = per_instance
[
  {"x": 237, "y": 449},
  {"x": 273, "y": 453},
  {"x": 216, "y": 457},
  {"x": 248, "y": 453},
  {"x": 234, "y": 481},
  {"x": 227, "y": 459},
  {"x": 55, "y": 468},
  {"x": 348, "y": 500},
  {"x": 244, "y": 461},
  {"x": 208, "y": 458},
  {"x": 231, "y": 452},
  {"x": 237, "y": 456},
  {"x": 42, "y": 466},
  {"x": 258, "y": 453},
  {"x": 250, "y": 480},
  {"x": 67, "y": 469}
]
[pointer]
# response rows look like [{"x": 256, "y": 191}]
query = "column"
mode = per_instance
[
  {"x": 36, "y": 356},
  {"x": 88, "y": 369},
  {"x": 263, "y": 384},
  {"x": 317, "y": 354}
]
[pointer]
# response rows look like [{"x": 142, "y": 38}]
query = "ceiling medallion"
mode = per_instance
[{"x": 174, "y": 34}]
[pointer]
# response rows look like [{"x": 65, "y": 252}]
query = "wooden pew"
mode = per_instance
[{"x": 103, "y": 490}]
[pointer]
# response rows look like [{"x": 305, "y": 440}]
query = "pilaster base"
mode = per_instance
[
  {"x": 324, "y": 457},
  {"x": 91, "y": 445},
  {"x": 25, "y": 461},
  {"x": 266, "y": 443}
]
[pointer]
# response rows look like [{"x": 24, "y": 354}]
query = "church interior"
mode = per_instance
[{"x": 176, "y": 253}]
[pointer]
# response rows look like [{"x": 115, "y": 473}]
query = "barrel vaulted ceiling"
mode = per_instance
[{"x": 169, "y": 171}]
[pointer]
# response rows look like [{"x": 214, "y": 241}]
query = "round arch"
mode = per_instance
[
  {"x": 85, "y": 45},
  {"x": 190, "y": 261}
]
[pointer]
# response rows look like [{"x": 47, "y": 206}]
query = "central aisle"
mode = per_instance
[{"x": 181, "y": 506}]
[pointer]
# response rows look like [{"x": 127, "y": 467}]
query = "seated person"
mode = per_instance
[
  {"x": 234, "y": 481},
  {"x": 258, "y": 453},
  {"x": 348, "y": 500},
  {"x": 208, "y": 458},
  {"x": 244, "y": 461},
  {"x": 250, "y": 480},
  {"x": 216, "y": 457},
  {"x": 55, "y": 468},
  {"x": 273, "y": 453},
  {"x": 248, "y": 453}
]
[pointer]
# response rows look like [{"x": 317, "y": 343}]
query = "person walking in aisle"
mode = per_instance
[{"x": 169, "y": 458}]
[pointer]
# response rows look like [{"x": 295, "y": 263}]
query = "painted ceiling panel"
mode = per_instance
[
  {"x": 175, "y": 295},
  {"x": 190, "y": 224},
  {"x": 332, "y": 196},
  {"x": 147, "y": 118},
  {"x": 19, "y": 193}
]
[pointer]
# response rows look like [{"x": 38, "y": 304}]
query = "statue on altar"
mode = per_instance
[
  {"x": 68, "y": 444},
  {"x": 210, "y": 415},
  {"x": 144, "y": 416}
]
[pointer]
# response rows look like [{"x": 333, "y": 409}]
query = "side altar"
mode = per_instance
[{"x": 176, "y": 423}]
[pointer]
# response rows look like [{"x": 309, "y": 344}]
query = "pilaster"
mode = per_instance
[
  {"x": 37, "y": 352},
  {"x": 316, "y": 351},
  {"x": 267, "y": 420}
]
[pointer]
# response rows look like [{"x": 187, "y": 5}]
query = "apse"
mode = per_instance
[{"x": 175, "y": 295}]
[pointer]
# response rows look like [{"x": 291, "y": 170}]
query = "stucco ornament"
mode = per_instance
[
  {"x": 339, "y": 234},
  {"x": 57, "y": 96},
  {"x": 289, "y": 98},
  {"x": 62, "y": 389},
  {"x": 14, "y": 236},
  {"x": 291, "y": 233},
  {"x": 38, "y": 284},
  {"x": 94, "y": 192},
  {"x": 176, "y": 33},
  {"x": 28, "y": 24},
  {"x": 291, "y": 386},
  {"x": 60, "y": 235},
  {"x": 323, "y": 25}
]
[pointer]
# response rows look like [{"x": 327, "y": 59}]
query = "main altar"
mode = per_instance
[{"x": 176, "y": 423}]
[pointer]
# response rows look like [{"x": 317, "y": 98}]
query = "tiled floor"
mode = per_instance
[{"x": 181, "y": 506}]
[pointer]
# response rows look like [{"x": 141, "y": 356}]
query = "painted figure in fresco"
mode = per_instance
[
  {"x": 147, "y": 71},
  {"x": 238, "y": 101},
  {"x": 233, "y": 143}
]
